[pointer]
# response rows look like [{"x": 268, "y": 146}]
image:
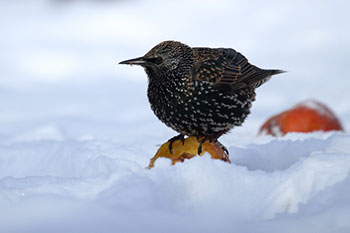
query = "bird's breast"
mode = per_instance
[{"x": 202, "y": 110}]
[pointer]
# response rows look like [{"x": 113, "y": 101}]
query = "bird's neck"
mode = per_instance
[{"x": 168, "y": 79}]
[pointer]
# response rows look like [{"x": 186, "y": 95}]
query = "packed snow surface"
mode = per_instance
[{"x": 77, "y": 131}]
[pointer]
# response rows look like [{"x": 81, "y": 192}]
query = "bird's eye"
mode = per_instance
[
  {"x": 155, "y": 60},
  {"x": 158, "y": 60}
]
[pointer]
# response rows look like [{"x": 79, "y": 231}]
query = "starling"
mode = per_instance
[{"x": 202, "y": 92}]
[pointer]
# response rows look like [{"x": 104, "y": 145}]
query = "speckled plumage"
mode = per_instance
[{"x": 201, "y": 92}]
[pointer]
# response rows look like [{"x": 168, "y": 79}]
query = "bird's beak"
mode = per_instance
[{"x": 135, "y": 61}]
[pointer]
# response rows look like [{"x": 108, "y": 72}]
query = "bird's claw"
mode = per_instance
[
  {"x": 223, "y": 147},
  {"x": 173, "y": 139},
  {"x": 202, "y": 140}
]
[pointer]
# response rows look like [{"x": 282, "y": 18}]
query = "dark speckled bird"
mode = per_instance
[{"x": 202, "y": 92}]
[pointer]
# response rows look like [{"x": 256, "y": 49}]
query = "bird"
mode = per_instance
[{"x": 199, "y": 91}]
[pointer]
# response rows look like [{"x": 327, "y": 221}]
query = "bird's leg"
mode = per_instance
[
  {"x": 173, "y": 139},
  {"x": 215, "y": 139},
  {"x": 222, "y": 147},
  {"x": 201, "y": 141}
]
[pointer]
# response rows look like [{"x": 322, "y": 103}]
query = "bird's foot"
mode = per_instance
[
  {"x": 223, "y": 147},
  {"x": 225, "y": 155},
  {"x": 202, "y": 140},
  {"x": 189, "y": 148},
  {"x": 171, "y": 141},
  {"x": 213, "y": 141}
]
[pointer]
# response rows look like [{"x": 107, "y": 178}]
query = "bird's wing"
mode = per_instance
[{"x": 228, "y": 68}]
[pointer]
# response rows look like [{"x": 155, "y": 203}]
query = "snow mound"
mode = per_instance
[{"x": 101, "y": 185}]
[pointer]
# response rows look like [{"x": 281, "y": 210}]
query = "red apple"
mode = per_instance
[{"x": 305, "y": 117}]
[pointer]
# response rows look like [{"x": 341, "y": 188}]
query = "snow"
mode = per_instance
[{"x": 76, "y": 130}]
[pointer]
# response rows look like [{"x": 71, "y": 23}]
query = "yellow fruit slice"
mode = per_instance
[{"x": 187, "y": 150}]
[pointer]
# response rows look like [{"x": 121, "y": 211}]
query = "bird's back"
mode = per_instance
[{"x": 227, "y": 68}]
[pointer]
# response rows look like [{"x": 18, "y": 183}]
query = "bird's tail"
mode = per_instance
[
  {"x": 273, "y": 72},
  {"x": 264, "y": 75}
]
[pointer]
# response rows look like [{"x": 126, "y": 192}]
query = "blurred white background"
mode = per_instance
[{"x": 59, "y": 59}]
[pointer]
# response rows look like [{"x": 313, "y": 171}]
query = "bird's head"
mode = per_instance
[{"x": 164, "y": 57}]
